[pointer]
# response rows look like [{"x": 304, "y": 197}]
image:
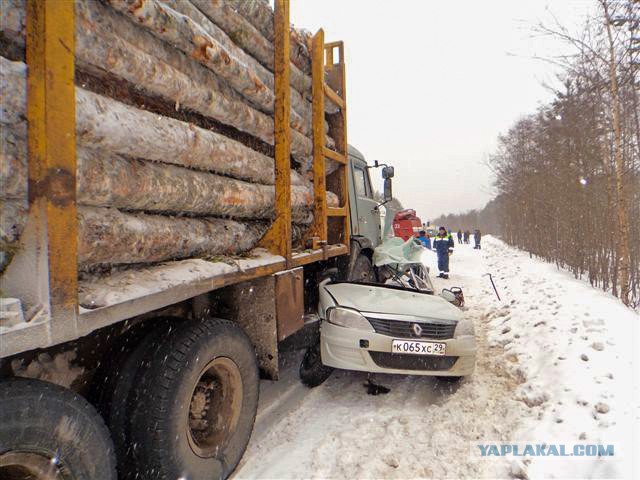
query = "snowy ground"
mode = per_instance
[{"x": 554, "y": 355}]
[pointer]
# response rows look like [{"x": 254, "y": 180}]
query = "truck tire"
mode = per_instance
[
  {"x": 194, "y": 403},
  {"x": 114, "y": 382},
  {"x": 362, "y": 270},
  {"x": 48, "y": 432},
  {"x": 312, "y": 371}
]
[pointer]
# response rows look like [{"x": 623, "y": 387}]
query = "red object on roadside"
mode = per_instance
[{"x": 406, "y": 224}]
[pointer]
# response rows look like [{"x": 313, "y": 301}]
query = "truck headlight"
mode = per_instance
[{"x": 346, "y": 317}]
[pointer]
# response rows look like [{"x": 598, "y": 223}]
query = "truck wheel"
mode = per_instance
[
  {"x": 195, "y": 400},
  {"x": 312, "y": 371},
  {"x": 112, "y": 395},
  {"x": 48, "y": 432},
  {"x": 362, "y": 270}
]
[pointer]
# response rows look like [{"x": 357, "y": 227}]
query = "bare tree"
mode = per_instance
[{"x": 568, "y": 175}]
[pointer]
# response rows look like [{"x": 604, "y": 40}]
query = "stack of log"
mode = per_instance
[{"x": 174, "y": 128}]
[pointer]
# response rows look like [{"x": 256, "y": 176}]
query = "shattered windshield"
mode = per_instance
[{"x": 400, "y": 263}]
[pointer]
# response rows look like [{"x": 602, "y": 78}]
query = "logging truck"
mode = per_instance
[{"x": 176, "y": 181}]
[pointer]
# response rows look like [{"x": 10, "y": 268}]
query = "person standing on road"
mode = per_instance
[
  {"x": 424, "y": 239},
  {"x": 476, "y": 239},
  {"x": 443, "y": 245},
  {"x": 459, "y": 236}
]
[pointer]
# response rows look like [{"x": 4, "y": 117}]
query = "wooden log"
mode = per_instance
[
  {"x": 98, "y": 47},
  {"x": 108, "y": 236},
  {"x": 300, "y": 87},
  {"x": 189, "y": 37},
  {"x": 107, "y": 42},
  {"x": 13, "y": 218},
  {"x": 13, "y": 19},
  {"x": 13, "y": 162},
  {"x": 99, "y": 23},
  {"x": 139, "y": 185},
  {"x": 108, "y": 180},
  {"x": 13, "y": 91},
  {"x": 192, "y": 39},
  {"x": 260, "y": 15},
  {"x": 301, "y": 110},
  {"x": 250, "y": 39},
  {"x": 114, "y": 127}
]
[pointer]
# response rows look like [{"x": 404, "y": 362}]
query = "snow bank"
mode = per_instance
[{"x": 570, "y": 347}]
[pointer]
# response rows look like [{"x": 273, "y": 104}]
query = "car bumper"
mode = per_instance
[{"x": 341, "y": 348}]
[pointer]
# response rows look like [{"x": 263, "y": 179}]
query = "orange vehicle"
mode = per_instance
[{"x": 406, "y": 224}]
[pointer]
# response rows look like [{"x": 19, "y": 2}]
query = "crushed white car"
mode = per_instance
[{"x": 397, "y": 326}]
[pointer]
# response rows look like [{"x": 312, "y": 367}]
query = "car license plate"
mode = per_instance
[{"x": 418, "y": 348}]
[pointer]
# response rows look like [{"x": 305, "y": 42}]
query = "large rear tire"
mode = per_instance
[
  {"x": 114, "y": 383},
  {"x": 48, "y": 432},
  {"x": 195, "y": 402}
]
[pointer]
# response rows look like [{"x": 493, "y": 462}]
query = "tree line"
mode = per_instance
[{"x": 567, "y": 176}]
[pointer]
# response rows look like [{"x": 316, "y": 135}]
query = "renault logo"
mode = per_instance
[{"x": 417, "y": 329}]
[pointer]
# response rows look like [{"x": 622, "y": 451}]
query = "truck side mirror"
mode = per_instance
[
  {"x": 387, "y": 172},
  {"x": 388, "y": 195}
]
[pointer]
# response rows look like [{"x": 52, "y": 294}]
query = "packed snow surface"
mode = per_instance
[{"x": 555, "y": 366}]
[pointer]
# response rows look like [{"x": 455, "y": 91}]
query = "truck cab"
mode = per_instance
[{"x": 364, "y": 211}]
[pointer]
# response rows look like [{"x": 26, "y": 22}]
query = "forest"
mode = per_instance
[{"x": 567, "y": 176}]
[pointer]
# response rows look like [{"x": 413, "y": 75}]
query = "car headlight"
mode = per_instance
[
  {"x": 346, "y": 317},
  {"x": 464, "y": 327}
]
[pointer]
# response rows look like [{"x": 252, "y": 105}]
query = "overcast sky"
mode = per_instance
[{"x": 431, "y": 84}]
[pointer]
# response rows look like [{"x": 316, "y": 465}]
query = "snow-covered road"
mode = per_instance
[{"x": 554, "y": 365}]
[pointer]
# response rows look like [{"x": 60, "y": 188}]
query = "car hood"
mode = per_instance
[{"x": 395, "y": 301}]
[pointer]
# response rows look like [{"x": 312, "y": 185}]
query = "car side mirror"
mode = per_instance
[
  {"x": 448, "y": 295},
  {"x": 387, "y": 172},
  {"x": 388, "y": 194},
  {"x": 454, "y": 296}
]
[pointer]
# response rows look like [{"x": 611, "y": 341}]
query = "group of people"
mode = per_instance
[
  {"x": 463, "y": 237},
  {"x": 443, "y": 244}
]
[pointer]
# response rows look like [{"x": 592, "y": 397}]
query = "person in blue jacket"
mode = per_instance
[
  {"x": 424, "y": 239},
  {"x": 443, "y": 245}
]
